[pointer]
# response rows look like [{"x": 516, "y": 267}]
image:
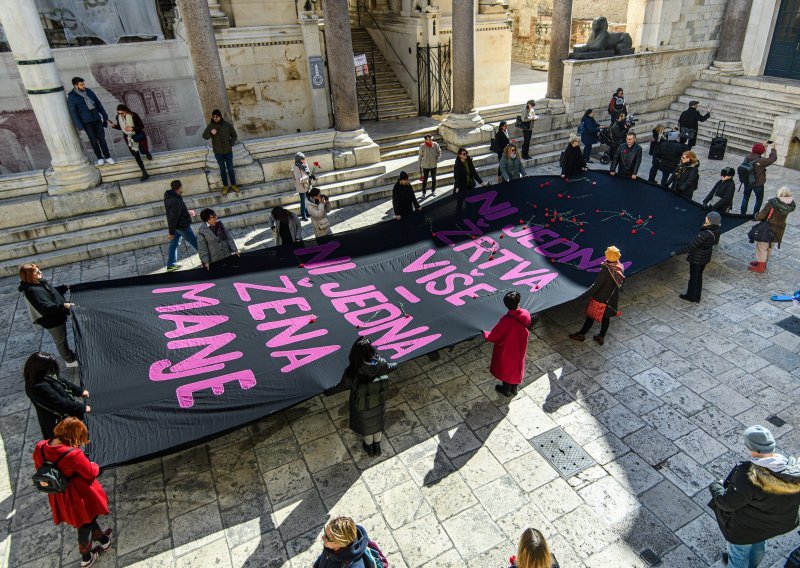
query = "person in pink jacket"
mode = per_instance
[{"x": 510, "y": 338}]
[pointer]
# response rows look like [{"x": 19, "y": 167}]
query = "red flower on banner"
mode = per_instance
[
  {"x": 633, "y": 231},
  {"x": 502, "y": 235},
  {"x": 559, "y": 196},
  {"x": 547, "y": 184},
  {"x": 639, "y": 221},
  {"x": 312, "y": 319},
  {"x": 433, "y": 235},
  {"x": 541, "y": 186},
  {"x": 302, "y": 265}
]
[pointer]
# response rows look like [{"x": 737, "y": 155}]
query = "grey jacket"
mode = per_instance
[
  {"x": 294, "y": 227},
  {"x": 511, "y": 169},
  {"x": 211, "y": 248},
  {"x": 429, "y": 156}
]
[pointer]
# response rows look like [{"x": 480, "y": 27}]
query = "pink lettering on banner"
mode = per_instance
[
  {"x": 258, "y": 311},
  {"x": 407, "y": 295},
  {"x": 501, "y": 256},
  {"x": 300, "y": 357},
  {"x": 482, "y": 246},
  {"x": 584, "y": 257},
  {"x": 192, "y": 293},
  {"x": 201, "y": 323},
  {"x": 243, "y": 289},
  {"x": 488, "y": 209},
  {"x": 185, "y": 393},
  {"x": 473, "y": 229},
  {"x": 355, "y": 318},
  {"x": 419, "y": 264},
  {"x": 449, "y": 284},
  {"x": 288, "y": 335},
  {"x": 329, "y": 290},
  {"x": 457, "y": 299},
  {"x": 318, "y": 264},
  {"x": 545, "y": 249},
  {"x": 402, "y": 348},
  {"x": 340, "y": 304},
  {"x": 196, "y": 363},
  {"x": 394, "y": 331}
]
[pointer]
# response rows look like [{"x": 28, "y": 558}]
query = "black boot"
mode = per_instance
[
  {"x": 145, "y": 176},
  {"x": 368, "y": 448},
  {"x": 376, "y": 448}
]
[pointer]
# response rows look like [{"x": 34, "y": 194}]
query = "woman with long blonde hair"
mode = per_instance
[{"x": 533, "y": 551}]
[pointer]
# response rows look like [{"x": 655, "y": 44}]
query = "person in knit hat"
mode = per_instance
[
  {"x": 605, "y": 296},
  {"x": 758, "y": 500},
  {"x": 223, "y": 138},
  {"x": 760, "y": 164},
  {"x": 699, "y": 254},
  {"x": 403, "y": 199}
]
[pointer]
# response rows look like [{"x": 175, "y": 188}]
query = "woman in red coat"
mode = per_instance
[
  {"x": 510, "y": 338},
  {"x": 84, "y": 500}
]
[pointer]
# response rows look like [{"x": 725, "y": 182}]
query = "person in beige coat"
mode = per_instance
[
  {"x": 318, "y": 208},
  {"x": 429, "y": 155},
  {"x": 214, "y": 241},
  {"x": 303, "y": 176}
]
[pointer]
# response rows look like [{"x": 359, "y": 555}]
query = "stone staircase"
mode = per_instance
[
  {"x": 393, "y": 101},
  {"x": 748, "y": 105}
]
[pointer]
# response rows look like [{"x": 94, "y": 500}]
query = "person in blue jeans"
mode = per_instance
[
  {"x": 88, "y": 114},
  {"x": 758, "y": 500},
  {"x": 588, "y": 133},
  {"x": 179, "y": 221},
  {"x": 223, "y": 138}
]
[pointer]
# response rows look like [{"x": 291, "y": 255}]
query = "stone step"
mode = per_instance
[
  {"x": 411, "y": 144},
  {"x": 741, "y": 101},
  {"x": 764, "y": 88},
  {"x": 717, "y": 110},
  {"x": 732, "y": 128}
]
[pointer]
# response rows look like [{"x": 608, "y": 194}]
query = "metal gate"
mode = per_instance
[
  {"x": 366, "y": 88},
  {"x": 434, "y": 73}
]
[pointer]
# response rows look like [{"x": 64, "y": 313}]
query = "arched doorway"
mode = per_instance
[{"x": 784, "y": 52}]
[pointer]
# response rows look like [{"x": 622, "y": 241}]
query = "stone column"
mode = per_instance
[
  {"x": 463, "y": 125},
  {"x": 352, "y": 145},
  {"x": 207, "y": 67},
  {"x": 309, "y": 27},
  {"x": 560, "y": 31},
  {"x": 70, "y": 169},
  {"x": 734, "y": 27}
]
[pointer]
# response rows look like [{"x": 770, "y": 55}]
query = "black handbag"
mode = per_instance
[
  {"x": 762, "y": 233},
  {"x": 519, "y": 123},
  {"x": 688, "y": 133}
]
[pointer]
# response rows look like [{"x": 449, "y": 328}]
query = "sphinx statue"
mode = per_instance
[{"x": 603, "y": 43}]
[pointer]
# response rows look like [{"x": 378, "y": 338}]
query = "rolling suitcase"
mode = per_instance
[{"x": 718, "y": 143}]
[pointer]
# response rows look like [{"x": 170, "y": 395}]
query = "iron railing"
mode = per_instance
[{"x": 434, "y": 72}]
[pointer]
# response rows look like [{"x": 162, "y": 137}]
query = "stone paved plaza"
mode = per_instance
[{"x": 660, "y": 408}]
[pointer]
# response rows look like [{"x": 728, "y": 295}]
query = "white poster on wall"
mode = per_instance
[{"x": 108, "y": 20}]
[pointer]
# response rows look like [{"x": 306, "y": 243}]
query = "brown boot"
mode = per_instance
[
  {"x": 760, "y": 267},
  {"x": 224, "y": 190},
  {"x": 235, "y": 188}
]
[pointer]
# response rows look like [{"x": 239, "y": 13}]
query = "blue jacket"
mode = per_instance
[
  {"x": 350, "y": 557},
  {"x": 81, "y": 114},
  {"x": 590, "y": 130}
]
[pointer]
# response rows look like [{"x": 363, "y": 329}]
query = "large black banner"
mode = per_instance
[{"x": 174, "y": 358}]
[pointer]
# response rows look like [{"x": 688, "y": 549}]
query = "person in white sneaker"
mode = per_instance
[
  {"x": 84, "y": 500},
  {"x": 88, "y": 114},
  {"x": 47, "y": 308}
]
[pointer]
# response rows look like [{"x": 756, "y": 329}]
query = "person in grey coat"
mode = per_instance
[
  {"x": 429, "y": 155},
  {"x": 286, "y": 227},
  {"x": 511, "y": 164},
  {"x": 214, "y": 242}
]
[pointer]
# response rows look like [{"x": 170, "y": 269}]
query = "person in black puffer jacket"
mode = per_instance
[
  {"x": 52, "y": 396},
  {"x": 47, "y": 308},
  {"x": 699, "y": 254},
  {"x": 668, "y": 157},
  {"x": 686, "y": 177},
  {"x": 720, "y": 198},
  {"x": 572, "y": 162},
  {"x": 346, "y": 545},
  {"x": 758, "y": 500},
  {"x": 369, "y": 385}
]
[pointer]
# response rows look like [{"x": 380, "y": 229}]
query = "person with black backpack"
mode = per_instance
[
  {"x": 68, "y": 477},
  {"x": 52, "y": 396},
  {"x": 752, "y": 174}
]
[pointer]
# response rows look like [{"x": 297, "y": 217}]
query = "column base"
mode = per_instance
[
  {"x": 727, "y": 68},
  {"x": 354, "y": 148},
  {"x": 248, "y": 171},
  {"x": 464, "y": 130},
  {"x": 67, "y": 179},
  {"x": 100, "y": 198}
]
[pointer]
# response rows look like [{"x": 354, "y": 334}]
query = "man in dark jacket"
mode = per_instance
[
  {"x": 403, "y": 199},
  {"x": 179, "y": 221},
  {"x": 689, "y": 121},
  {"x": 619, "y": 132},
  {"x": 699, "y": 255},
  {"x": 758, "y": 500},
  {"x": 760, "y": 164},
  {"x": 223, "y": 137},
  {"x": 627, "y": 158},
  {"x": 720, "y": 198},
  {"x": 88, "y": 114},
  {"x": 668, "y": 155}
]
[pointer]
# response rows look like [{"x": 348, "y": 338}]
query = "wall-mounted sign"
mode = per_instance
[
  {"x": 316, "y": 72},
  {"x": 362, "y": 67}
]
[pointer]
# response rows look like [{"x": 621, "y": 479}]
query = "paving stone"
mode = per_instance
[
  {"x": 473, "y": 531},
  {"x": 324, "y": 452},
  {"x": 656, "y": 381},
  {"x": 530, "y": 471},
  {"x": 501, "y": 496},
  {"x": 650, "y": 445},
  {"x": 431, "y": 468},
  {"x": 529, "y": 419},
  {"x": 287, "y": 481},
  {"x": 582, "y": 426},
  {"x": 402, "y": 505},
  {"x": 746, "y": 360},
  {"x": 620, "y": 420},
  {"x": 335, "y": 479},
  {"x": 670, "y": 422},
  {"x": 438, "y": 416},
  {"x": 449, "y": 496},
  {"x": 682, "y": 557},
  {"x": 618, "y": 554},
  {"x": 670, "y": 504},
  {"x": 479, "y": 412},
  {"x": 606, "y": 449},
  {"x": 147, "y": 526},
  {"x": 265, "y": 551},
  {"x": 702, "y": 536},
  {"x": 422, "y": 540},
  {"x": 196, "y": 529},
  {"x": 504, "y": 441},
  {"x": 715, "y": 421},
  {"x": 420, "y": 394},
  {"x": 299, "y": 514},
  {"x": 614, "y": 380},
  {"x": 355, "y": 501},
  {"x": 214, "y": 554},
  {"x": 555, "y": 499},
  {"x": 610, "y": 500},
  {"x": 639, "y": 399},
  {"x": 633, "y": 473},
  {"x": 586, "y": 532},
  {"x": 702, "y": 447},
  {"x": 686, "y": 474},
  {"x": 312, "y": 426},
  {"x": 685, "y": 400}
]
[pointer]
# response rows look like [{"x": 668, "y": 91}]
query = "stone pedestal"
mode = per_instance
[
  {"x": 248, "y": 171},
  {"x": 464, "y": 130},
  {"x": 309, "y": 26},
  {"x": 100, "y": 198},
  {"x": 728, "y": 68},
  {"x": 354, "y": 148},
  {"x": 70, "y": 169},
  {"x": 560, "y": 31}
]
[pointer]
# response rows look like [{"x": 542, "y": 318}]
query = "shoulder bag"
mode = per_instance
[{"x": 762, "y": 233}]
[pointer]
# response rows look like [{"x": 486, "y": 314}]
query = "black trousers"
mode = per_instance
[
  {"x": 587, "y": 325},
  {"x": 526, "y": 141},
  {"x": 97, "y": 138},
  {"x": 695, "y": 288},
  {"x": 432, "y": 173},
  {"x": 654, "y": 169}
]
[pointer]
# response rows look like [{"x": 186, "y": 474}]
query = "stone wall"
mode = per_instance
[
  {"x": 699, "y": 23},
  {"x": 652, "y": 80},
  {"x": 155, "y": 79},
  {"x": 267, "y": 78}
]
